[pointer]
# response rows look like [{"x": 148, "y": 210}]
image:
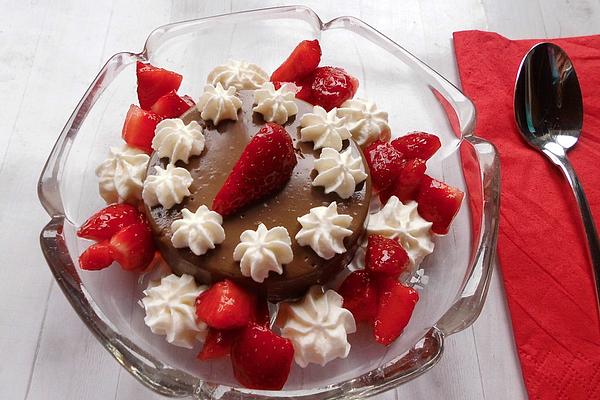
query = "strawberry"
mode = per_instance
[
  {"x": 331, "y": 86},
  {"x": 385, "y": 256},
  {"x": 264, "y": 167},
  {"x": 133, "y": 246},
  {"x": 138, "y": 129},
  {"x": 96, "y": 257},
  {"x": 153, "y": 83},
  {"x": 384, "y": 163},
  {"x": 108, "y": 221},
  {"x": 417, "y": 145},
  {"x": 171, "y": 105},
  {"x": 261, "y": 359},
  {"x": 360, "y": 295},
  {"x": 396, "y": 305},
  {"x": 406, "y": 184},
  {"x": 261, "y": 314},
  {"x": 303, "y": 60},
  {"x": 218, "y": 343},
  {"x": 438, "y": 203},
  {"x": 305, "y": 92},
  {"x": 225, "y": 306}
]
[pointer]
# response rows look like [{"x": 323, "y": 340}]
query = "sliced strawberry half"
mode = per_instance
[
  {"x": 438, "y": 203},
  {"x": 171, "y": 105},
  {"x": 264, "y": 167},
  {"x": 331, "y": 86},
  {"x": 303, "y": 60},
  {"x": 396, "y": 305},
  {"x": 384, "y": 163},
  {"x": 97, "y": 256},
  {"x": 417, "y": 145},
  {"x": 225, "y": 305},
  {"x": 385, "y": 256},
  {"x": 261, "y": 359},
  {"x": 133, "y": 247},
  {"x": 138, "y": 129},
  {"x": 218, "y": 343},
  {"x": 360, "y": 295},
  {"x": 407, "y": 183},
  {"x": 108, "y": 221},
  {"x": 153, "y": 83}
]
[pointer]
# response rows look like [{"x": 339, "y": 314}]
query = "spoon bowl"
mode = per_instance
[{"x": 549, "y": 113}]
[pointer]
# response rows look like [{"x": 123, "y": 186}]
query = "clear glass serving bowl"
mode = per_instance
[{"x": 416, "y": 97}]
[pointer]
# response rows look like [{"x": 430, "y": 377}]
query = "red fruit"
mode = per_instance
[
  {"x": 360, "y": 295},
  {"x": 261, "y": 359},
  {"x": 133, "y": 246},
  {"x": 225, "y": 306},
  {"x": 438, "y": 203},
  {"x": 264, "y": 167},
  {"x": 331, "y": 86},
  {"x": 138, "y": 129},
  {"x": 171, "y": 105},
  {"x": 417, "y": 145},
  {"x": 385, "y": 256},
  {"x": 305, "y": 92},
  {"x": 261, "y": 314},
  {"x": 396, "y": 305},
  {"x": 96, "y": 257},
  {"x": 108, "y": 221},
  {"x": 406, "y": 186},
  {"x": 153, "y": 83},
  {"x": 218, "y": 343},
  {"x": 384, "y": 163},
  {"x": 303, "y": 60}
]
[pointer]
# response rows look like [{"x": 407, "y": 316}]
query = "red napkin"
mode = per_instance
[{"x": 542, "y": 249}]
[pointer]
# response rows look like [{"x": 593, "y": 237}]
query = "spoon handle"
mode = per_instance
[{"x": 564, "y": 164}]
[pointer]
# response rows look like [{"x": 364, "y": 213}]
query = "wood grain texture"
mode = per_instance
[{"x": 50, "y": 50}]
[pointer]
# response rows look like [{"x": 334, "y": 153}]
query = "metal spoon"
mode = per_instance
[{"x": 549, "y": 113}]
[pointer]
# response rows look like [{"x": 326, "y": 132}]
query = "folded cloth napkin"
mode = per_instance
[{"x": 542, "y": 247}]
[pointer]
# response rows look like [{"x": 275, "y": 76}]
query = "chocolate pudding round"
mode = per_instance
[{"x": 224, "y": 145}]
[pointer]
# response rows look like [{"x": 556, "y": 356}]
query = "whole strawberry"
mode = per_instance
[{"x": 263, "y": 169}]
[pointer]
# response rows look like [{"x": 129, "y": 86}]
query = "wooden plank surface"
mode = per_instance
[{"x": 50, "y": 50}]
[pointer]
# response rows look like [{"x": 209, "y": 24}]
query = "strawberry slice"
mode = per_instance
[
  {"x": 303, "y": 60},
  {"x": 133, "y": 247},
  {"x": 438, "y": 203},
  {"x": 261, "y": 359},
  {"x": 360, "y": 295},
  {"x": 406, "y": 185},
  {"x": 218, "y": 343},
  {"x": 171, "y": 105},
  {"x": 331, "y": 86},
  {"x": 261, "y": 314},
  {"x": 264, "y": 167},
  {"x": 396, "y": 305},
  {"x": 384, "y": 163},
  {"x": 138, "y": 129},
  {"x": 108, "y": 221},
  {"x": 417, "y": 145},
  {"x": 96, "y": 257},
  {"x": 153, "y": 83},
  {"x": 385, "y": 256},
  {"x": 225, "y": 306}
]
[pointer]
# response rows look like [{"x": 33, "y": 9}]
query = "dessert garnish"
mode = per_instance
[
  {"x": 225, "y": 305},
  {"x": 171, "y": 312},
  {"x": 324, "y": 128},
  {"x": 262, "y": 251},
  {"x": 138, "y": 129},
  {"x": 360, "y": 295},
  {"x": 438, "y": 203},
  {"x": 276, "y": 105},
  {"x": 153, "y": 83},
  {"x": 396, "y": 304},
  {"x": 238, "y": 74},
  {"x": 217, "y": 103},
  {"x": 385, "y": 256},
  {"x": 324, "y": 230},
  {"x": 317, "y": 326},
  {"x": 167, "y": 187},
  {"x": 171, "y": 105},
  {"x": 262, "y": 170},
  {"x": 177, "y": 141},
  {"x": 200, "y": 230},
  {"x": 121, "y": 175},
  {"x": 339, "y": 172},
  {"x": 365, "y": 121}
]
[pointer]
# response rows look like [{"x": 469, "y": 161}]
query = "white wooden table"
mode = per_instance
[{"x": 50, "y": 50}]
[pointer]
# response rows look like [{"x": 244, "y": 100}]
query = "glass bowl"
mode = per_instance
[{"x": 416, "y": 97}]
